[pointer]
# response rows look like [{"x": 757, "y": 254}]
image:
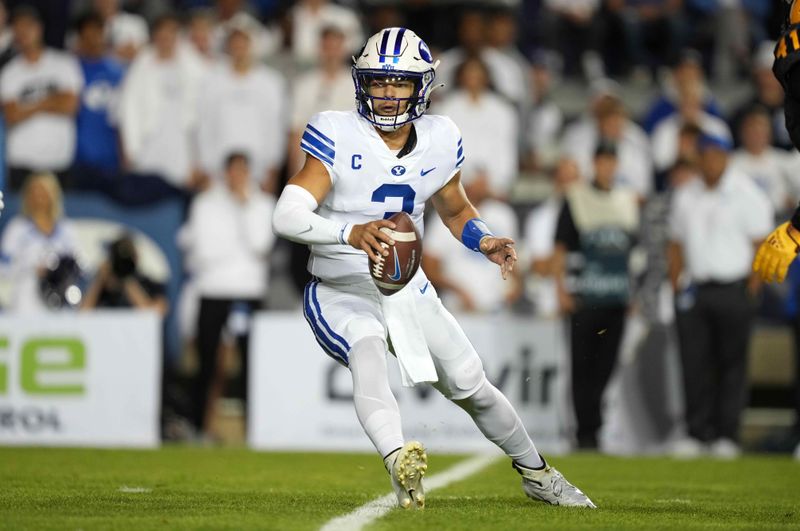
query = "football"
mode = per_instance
[{"x": 395, "y": 270}]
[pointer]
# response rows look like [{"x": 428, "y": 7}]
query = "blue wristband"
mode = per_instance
[{"x": 474, "y": 231}]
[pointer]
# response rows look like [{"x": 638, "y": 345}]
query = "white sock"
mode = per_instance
[
  {"x": 375, "y": 404},
  {"x": 495, "y": 417}
]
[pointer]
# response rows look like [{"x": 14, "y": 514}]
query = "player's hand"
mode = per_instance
[
  {"x": 368, "y": 238},
  {"x": 500, "y": 251},
  {"x": 776, "y": 253}
]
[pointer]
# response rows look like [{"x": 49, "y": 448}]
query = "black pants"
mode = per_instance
[
  {"x": 211, "y": 319},
  {"x": 714, "y": 339},
  {"x": 596, "y": 334}
]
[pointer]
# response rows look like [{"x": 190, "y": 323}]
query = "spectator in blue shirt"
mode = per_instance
[{"x": 98, "y": 141}]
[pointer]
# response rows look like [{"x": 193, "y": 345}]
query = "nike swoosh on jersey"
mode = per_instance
[
  {"x": 396, "y": 276},
  {"x": 307, "y": 230},
  {"x": 424, "y": 288},
  {"x": 423, "y": 172}
]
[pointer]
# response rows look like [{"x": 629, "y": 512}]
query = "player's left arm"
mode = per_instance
[{"x": 463, "y": 220}]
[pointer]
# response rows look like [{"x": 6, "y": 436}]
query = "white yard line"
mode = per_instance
[{"x": 368, "y": 513}]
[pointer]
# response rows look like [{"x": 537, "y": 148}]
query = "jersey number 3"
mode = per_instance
[{"x": 403, "y": 191}]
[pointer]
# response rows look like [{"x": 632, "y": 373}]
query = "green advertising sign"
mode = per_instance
[{"x": 34, "y": 366}]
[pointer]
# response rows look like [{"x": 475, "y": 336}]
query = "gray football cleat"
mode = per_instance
[
  {"x": 549, "y": 486},
  {"x": 409, "y": 466}
]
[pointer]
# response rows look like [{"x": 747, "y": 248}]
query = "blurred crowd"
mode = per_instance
[{"x": 618, "y": 210}]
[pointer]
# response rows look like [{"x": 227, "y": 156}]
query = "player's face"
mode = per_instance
[{"x": 390, "y": 91}]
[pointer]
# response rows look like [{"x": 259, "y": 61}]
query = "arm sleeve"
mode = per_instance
[
  {"x": 319, "y": 141},
  {"x": 295, "y": 220},
  {"x": 566, "y": 231}
]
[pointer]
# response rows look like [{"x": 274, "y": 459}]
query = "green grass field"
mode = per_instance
[{"x": 187, "y": 488}]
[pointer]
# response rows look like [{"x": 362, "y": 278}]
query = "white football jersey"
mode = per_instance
[{"x": 370, "y": 182}]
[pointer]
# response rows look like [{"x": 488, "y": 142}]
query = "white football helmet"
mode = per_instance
[{"x": 392, "y": 54}]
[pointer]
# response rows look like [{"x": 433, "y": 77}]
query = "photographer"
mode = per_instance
[{"x": 118, "y": 283}]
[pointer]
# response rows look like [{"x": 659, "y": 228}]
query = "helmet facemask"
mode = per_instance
[{"x": 408, "y": 109}]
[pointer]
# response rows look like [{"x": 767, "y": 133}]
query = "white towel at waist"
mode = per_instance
[{"x": 407, "y": 337}]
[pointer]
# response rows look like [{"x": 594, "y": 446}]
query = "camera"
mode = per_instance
[{"x": 122, "y": 256}]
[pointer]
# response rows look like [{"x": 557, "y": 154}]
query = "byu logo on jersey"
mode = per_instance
[{"x": 398, "y": 170}]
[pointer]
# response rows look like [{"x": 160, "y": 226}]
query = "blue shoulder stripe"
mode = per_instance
[
  {"x": 322, "y": 136},
  {"x": 460, "y": 162},
  {"x": 316, "y": 154},
  {"x": 317, "y": 143}
]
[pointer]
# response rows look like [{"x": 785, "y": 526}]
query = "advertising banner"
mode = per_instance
[
  {"x": 300, "y": 399},
  {"x": 88, "y": 379}
]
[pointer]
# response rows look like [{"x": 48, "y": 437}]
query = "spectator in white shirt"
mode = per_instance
[
  {"x": 309, "y": 17},
  {"x": 465, "y": 282},
  {"x": 715, "y": 225},
  {"x": 126, "y": 33},
  {"x": 772, "y": 169},
  {"x": 227, "y": 243},
  {"x": 489, "y": 125},
  {"x": 34, "y": 238},
  {"x": 39, "y": 90},
  {"x": 609, "y": 122},
  {"x": 158, "y": 106},
  {"x": 243, "y": 107},
  {"x": 328, "y": 87}
]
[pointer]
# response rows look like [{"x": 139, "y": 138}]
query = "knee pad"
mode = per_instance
[{"x": 462, "y": 376}]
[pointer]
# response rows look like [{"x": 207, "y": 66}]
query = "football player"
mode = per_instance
[
  {"x": 780, "y": 248},
  {"x": 361, "y": 167}
]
